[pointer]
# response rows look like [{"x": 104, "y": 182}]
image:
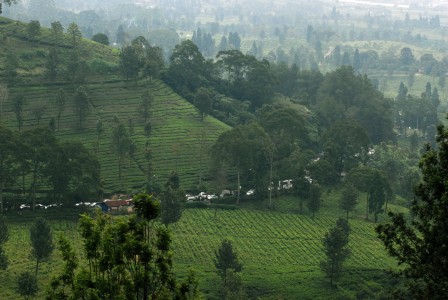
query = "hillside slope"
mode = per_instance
[{"x": 179, "y": 139}]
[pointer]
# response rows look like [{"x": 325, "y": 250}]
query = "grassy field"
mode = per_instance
[{"x": 280, "y": 250}]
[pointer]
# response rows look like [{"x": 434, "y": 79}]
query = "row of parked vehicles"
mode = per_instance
[
  {"x": 39, "y": 206},
  {"x": 203, "y": 196}
]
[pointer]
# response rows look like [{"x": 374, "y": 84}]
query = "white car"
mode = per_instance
[
  {"x": 250, "y": 192},
  {"x": 202, "y": 196},
  {"x": 191, "y": 197},
  {"x": 211, "y": 197}
]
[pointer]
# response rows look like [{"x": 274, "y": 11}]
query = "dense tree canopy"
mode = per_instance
[{"x": 420, "y": 245}]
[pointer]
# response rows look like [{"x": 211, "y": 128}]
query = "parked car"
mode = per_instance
[
  {"x": 211, "y": 197},
  {"x": 202, "y": 196},
  {"x": 191, "y": 197},
  {"x": 24, "y": 206},
  {"x": 250, "y": 192}
]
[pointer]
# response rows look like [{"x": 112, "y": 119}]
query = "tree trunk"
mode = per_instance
[{"x": 37, "y": 266}]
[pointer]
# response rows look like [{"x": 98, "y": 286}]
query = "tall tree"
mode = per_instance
[
  {"x": 81, "y": 104},
  {"x": 33, "y": 29},
  {"x": 377, "y": 195},
  {"x": 18, "y": 103},
  {"x": 121, "y": 144},
  {"x": 226, "y": 259},
  {"x": 56, "y": 31},
  {"x": 171, "y": 200},
  {"x": 74, "y": 34},
  {"x": 146, "y": 102},
  {"x": 420, "y": 245},
  {"x": 129, "y": 62},
  {"x": 336, "y": 250},
  {"x": 245, "y": 147},
  {"x": 203, "y": 102},
  {"x": 36, "y": 150},
  {"x": 41, "y": 241},
  {"x": 59, "y": 102}
]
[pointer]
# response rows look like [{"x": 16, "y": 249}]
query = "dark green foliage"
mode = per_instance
[
  {"x": 41, "y": 237},
  {"x": 247, "y": 78},
  {"x": 336, "y": 250},
  {"x": 420, "y": 245},
  {"x": 344, "y": 96},
  {"x": 171, "y": 200},
  {"x": 129, "y": 62},
  {"x": 101, "y": 38},
  {"x": 33, "y": 29},
  {"x": 203, "y": 101},
  {"x": 56, "y": 31},
  {"x": 74, "y": 34},
  {"x": 245, "y": 148},
  {"x": 378, "y": 194},
  {"x": 188, "y": 69},
  {"x": 27, "y": 285},
  {"x": 406, "y": 56},
  {"x": 226, "y": 259},
  {"x": 127, "y": 258},
  {"x": 346, "y": 144}
]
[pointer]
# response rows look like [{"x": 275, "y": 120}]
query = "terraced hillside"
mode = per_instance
[{"x": 179, "y": 139}]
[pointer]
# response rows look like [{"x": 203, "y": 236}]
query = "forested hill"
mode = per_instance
[{"x": 46, "y": 73}]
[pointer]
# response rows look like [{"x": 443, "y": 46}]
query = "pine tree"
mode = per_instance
[{"x": 336, "y": 250}]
